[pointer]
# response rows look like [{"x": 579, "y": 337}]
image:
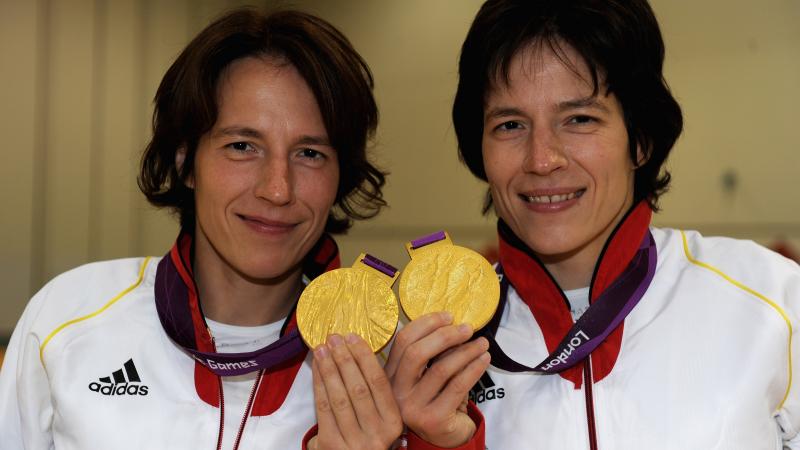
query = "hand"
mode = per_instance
[
  {"x": 432, "y": 368},
  {"x": 353, "y": 397}
]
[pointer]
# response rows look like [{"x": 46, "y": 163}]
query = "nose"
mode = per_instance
[
  {"x": 545, "y": 152},
  {"x": 275, "y": 181}
]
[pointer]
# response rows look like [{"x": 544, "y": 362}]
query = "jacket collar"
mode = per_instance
[
  {"x": 546, "y": 300},
  {"x": 324, "y": 256}
]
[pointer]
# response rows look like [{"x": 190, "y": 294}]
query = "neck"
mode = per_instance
[
  {"x": 572, "y": 271},
  {"x": 231, "y": 297}
]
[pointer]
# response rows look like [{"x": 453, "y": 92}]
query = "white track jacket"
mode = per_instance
[
  {"x": 89, "y": 366},
  {"x": 708, "y": 360}
]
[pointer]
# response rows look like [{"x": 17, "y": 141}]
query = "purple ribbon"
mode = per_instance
[
  {"x": 173, "y": 310},
  {"x": 592, "y": 328},
  {"x": 172, "y": 305}
]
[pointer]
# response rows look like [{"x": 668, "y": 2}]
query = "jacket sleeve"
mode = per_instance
[
  {"x": 309, "y": 434},
  {"x": 788, "y": 416},
  {"x": 476, "y": 443},
  {"x": 26, "y": 410}
]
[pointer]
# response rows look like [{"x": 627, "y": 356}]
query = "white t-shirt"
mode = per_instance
[
  {"x": 578, "y": 301},
  {"x": 237, "y": 389}
]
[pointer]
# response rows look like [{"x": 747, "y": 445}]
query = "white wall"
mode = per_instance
[{"x": 77, "y": 78}]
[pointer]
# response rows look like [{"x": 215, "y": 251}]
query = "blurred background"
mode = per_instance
[{"x": 77, "y": 78}]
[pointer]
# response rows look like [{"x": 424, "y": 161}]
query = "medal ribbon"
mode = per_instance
[
  {"x": 604, "y": 315},
  {"x": 177, "y": 303}
]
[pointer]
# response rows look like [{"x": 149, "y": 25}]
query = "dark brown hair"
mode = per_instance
[
  {"x": 186, "y": 106},
  {"x": 620, "y": 42}
]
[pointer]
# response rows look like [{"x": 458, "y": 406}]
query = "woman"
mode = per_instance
[
  {"x": 259, "y": 138},
  {"x": 612, "y": 334}
]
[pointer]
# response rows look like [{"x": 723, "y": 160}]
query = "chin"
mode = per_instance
[
  {"x": 549, "y": 246},
  {"x": 270, "y": 269}
]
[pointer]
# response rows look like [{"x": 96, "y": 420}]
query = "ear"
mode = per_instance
[
  {"x": 641, "y": 159},
  {"x": 180, "y": 157}
]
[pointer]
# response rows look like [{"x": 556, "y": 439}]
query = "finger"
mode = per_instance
[
  {"x": 378, "y": 382},
  {"x": 417, "y": 355},
  {"x": 458, "y": 387},
  {"x": 338, "y": 399},
  {"x": 358, "y": 391},
  {"x": 411, "y": 333},
  {"x": 326, "y": 422},
  {"x": 441, "y": 373}
]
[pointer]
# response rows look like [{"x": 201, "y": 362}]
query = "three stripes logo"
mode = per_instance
[
  {"x": 124, "y": 381},
  {"x": 485, "y": 390}
]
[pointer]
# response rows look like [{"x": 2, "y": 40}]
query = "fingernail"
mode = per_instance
[
  {"x": 352, "y": 338},
  {"x": 486, "y": 357},
  {"x": 465, "y": 328},
  {"x": 335, "y": 340},
  {"x": 321, "y": 352},
  {"x": 447, "y": 317}
]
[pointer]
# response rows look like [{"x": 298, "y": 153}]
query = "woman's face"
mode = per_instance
[
  {"x": 556, "y": 156},
  {"x": 265, "y": 176}
]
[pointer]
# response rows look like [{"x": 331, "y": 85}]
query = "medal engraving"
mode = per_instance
[
  {"x": 350, "y": 300},
  {"x": 445, "y": 277}
]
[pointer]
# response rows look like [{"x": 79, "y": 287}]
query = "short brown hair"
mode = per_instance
[
  {"x": 621, "y": 43},
  {"x": 186, "y": 106}
]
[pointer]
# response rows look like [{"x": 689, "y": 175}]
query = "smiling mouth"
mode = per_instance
[
  {"x": 546, "y": 199},
  {"x": 266, "y": 223}
]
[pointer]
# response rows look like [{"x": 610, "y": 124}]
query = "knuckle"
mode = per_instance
[
  {"x": 369, "y": 443},
  {"x": 323, "y": 405},
  {"x": 394, "y": 426},
  {"x": 380, "y": 381},
  {"x": 402, "y": 340},
  {"x": 340, "y": 404},
  {"x": 460, "y": 385},
  {"x": 415, "y": 352},
  {"x": 359, "y": 391},
  {"x": 439, "y": 371},
  {"x": 342, "y": 356},
  {"x": 409, "y": 414},
  {"x": 327, "y": 370},
  {"x": 452, "y": 336},
  {"x": 428, "y": 423},
  {"x": 326, "y": 443}
]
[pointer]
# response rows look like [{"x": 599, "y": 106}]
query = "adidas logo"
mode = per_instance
[
  {"x": 118, "y": 384},
  {"x": 485, "y": 390}
]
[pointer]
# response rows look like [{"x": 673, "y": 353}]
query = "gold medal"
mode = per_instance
[
  {"x": 355, "y": 300},
  {"x": 446, "y": 277}
]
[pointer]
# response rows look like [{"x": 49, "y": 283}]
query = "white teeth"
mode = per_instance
[{"x": 550, "y": 198}]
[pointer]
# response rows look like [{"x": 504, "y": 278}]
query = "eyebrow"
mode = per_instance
[
  {"x": 238, "y": 131},
  {"x": 578, "y": 103},
  {"x": 314, "y": 140},
  {"x": 585, "y": 102},
  {"x": 503, "y": 112},
  {"x": 255, "y": 134}
]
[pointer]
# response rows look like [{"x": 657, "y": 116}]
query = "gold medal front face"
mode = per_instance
[
  {"x": 345, "y": 301},
  {"x": 450, "y": 278}
]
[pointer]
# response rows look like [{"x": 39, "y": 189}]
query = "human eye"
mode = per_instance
[
  {"x": 314, "y": 157},
  {"x": 509, "y": 125},
  {"x": 581, "y": 119},
  {"x": 508, "y": 128},
  {"x": 310, "y": 153},
  {"x": 240, "y": 147}
]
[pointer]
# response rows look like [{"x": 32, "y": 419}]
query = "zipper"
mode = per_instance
[
  {"x": 246, "y": 415},
  {"x": 221, "y": 397},
  {"x": 247, "y": 409},
  {"x": 587, "y": 382}
]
